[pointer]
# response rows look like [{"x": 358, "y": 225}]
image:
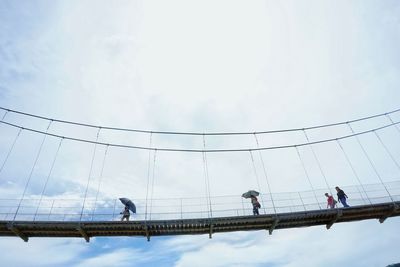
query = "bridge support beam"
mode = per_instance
[
  {"x": 338, "y": 215},
  {"x": 17, "y": 232},
  {"x": 390, "y": 213},
  {"x": 274, "y": 224},
  {"x": 83, "y": 233}
]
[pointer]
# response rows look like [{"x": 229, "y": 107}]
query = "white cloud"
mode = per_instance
[
  {"x": 119, "y": 257},
  {"x": 350, "y": 243},
  {"x": 39, "y": 252}
]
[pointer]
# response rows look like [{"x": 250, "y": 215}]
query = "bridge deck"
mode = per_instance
[{"x": 270, "y": 222}]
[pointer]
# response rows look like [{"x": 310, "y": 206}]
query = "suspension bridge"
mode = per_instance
[{"x": 38, "y": 207}]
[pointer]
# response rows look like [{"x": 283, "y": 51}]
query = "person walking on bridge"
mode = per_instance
[
  {"x": 331, "y": 202},
  {"x": 125, "y": 214},
  {"x": 341, "y": 197},
  {"x": 256, "y": 205}
]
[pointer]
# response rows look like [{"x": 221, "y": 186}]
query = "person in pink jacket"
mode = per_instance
[{"x": 331, "y": 202}]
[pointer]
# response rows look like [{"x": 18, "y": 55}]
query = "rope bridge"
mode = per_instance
[{"x": 40, "y": 212}]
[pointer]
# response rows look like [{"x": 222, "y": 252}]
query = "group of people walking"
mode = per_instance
[
  {"x": 331, "y": 201},
  {"x": 341, "y": 196}
]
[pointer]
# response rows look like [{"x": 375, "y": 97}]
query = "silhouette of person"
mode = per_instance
[
  {"x": 125, "y": 214},
  {"x": 256, "y": 205},
  {"x": 330, "y": 201},
  {"x": 341, "y": 197}
]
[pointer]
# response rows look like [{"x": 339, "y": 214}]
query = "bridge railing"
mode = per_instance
[{"x": 52, "y": 209}]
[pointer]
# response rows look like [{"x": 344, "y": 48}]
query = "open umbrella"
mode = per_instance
[
  {"x": 250, "y": 193},
  {"x": 127, "y": 202}
]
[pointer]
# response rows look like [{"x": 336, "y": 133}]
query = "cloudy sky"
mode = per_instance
[{"x": 199, "y": 66}]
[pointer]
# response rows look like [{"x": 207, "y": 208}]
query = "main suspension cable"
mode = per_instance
[
  {"x": 197, "y": 133},
  {"x": 201, "y": 150}
]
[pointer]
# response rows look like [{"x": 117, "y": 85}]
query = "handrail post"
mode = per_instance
[
  {"x": 242, "y": 206},
  {"x": 113, "y": 214},
  {"x": 181, "y": 209},
  {"x": 51, "y": 209},
  {"x": 302, "y": 202}
]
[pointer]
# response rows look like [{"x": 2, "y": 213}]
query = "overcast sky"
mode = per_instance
[{"x": 203, "y": 66}]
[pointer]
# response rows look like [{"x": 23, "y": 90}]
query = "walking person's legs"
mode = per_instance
[
  {"x": 344, "y": 203},
  {"x": 255, "y": 210}
]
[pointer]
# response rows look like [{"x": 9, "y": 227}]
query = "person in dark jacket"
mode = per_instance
[
  {"x": 256, "y": 205},
  {"x": 341, "y": 197}
]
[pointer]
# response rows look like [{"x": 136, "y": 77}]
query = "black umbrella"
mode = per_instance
[
  {"x": 250, "y": 193},
  {"x": 127, "y": 202}
]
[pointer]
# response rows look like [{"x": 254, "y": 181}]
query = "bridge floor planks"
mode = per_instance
[{"x": 88, "y": 229}]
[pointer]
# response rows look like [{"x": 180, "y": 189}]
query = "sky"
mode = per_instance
[{"x": 199, "y": 66}]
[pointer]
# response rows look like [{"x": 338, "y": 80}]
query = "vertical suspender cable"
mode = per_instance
[
  {"x": 354, "y": 172},
  {"x": 387, "y": 150},
  {"x": 152, "y": 181},
  {"x": 31, "y": 172},
  {"x": 318, "y": 163},
  {"x": 48, "y": 178},
  {"x": 396, "y": 124},
  {"x": 90, "y": 173},
  {"x": 207, "y": 180},
  {"x": 308, "y": 177},
  {"x": 265, "y": 173},
  {"x": 372, "y": 164},
  {"x": 100, "y": 180},
  {"x": 148, "y": 175},
  {"x": 10, "y": 150},
  {"x": 4, "y": 116},
  {"x": 258, "y": 181},
  {"x": 206, "y": 184},
  {"x": 12, "y": 146}
]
